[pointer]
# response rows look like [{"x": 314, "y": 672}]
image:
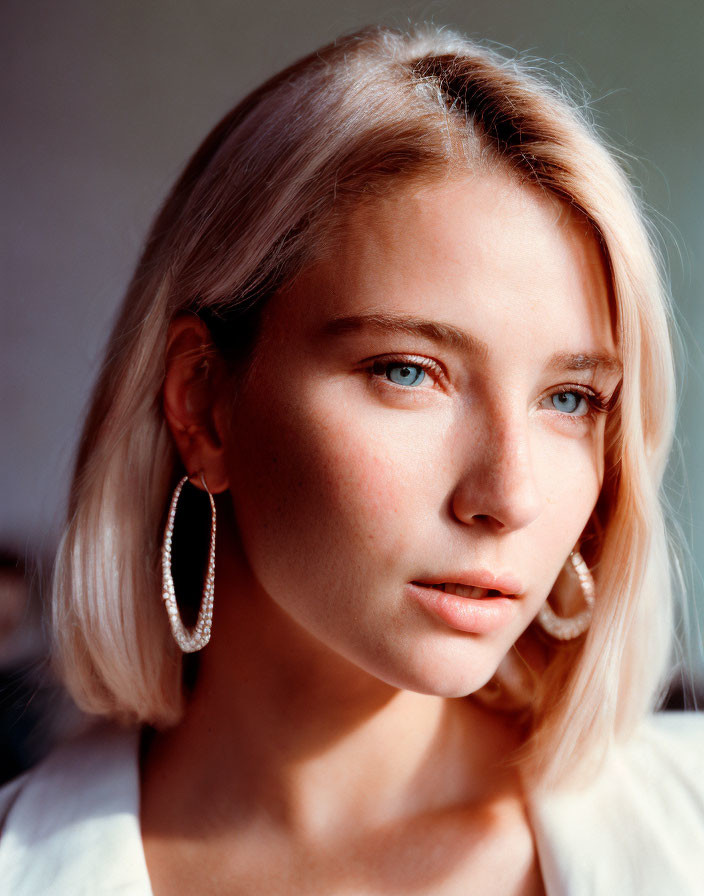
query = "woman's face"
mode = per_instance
[{"x": 424, "y": 408}]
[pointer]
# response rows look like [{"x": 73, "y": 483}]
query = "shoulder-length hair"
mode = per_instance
[{"x": 251, "y": 208}]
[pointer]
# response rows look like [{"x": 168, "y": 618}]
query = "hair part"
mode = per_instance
[{"x": 260, "y": 199}]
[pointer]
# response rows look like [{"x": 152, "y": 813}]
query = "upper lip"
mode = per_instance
[{"x": 476, "y": 578}]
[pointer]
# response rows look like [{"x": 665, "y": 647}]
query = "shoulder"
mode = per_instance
[
  {"x": 659, "y": 776},
  {"x": 71, "y": 825},
  {"x": 639, "y": 823},
  {"x": 667, "y": 754}
]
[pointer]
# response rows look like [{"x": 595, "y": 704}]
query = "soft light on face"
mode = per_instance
[{"x": 424, "y": 407}]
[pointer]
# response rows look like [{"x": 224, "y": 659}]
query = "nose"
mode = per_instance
[{"x": 497, "y": 484}]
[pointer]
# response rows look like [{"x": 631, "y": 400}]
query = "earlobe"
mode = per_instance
[{"x": 189, "y": 397}]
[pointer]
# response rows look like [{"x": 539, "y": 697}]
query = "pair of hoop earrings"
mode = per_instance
[{"x": 559, "y": 627}]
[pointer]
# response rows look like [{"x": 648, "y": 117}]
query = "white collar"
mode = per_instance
[
  {"x": 72, "y": 824},
  {"x": 637, "y": 829}
]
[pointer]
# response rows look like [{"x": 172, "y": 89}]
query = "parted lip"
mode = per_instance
[{"x": 505, "y": 583}]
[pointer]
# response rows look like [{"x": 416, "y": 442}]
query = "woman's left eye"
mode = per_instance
[{"x": 574, "y": 403}]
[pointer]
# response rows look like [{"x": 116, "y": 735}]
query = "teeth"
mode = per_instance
[{"x": 462, "y": 590}]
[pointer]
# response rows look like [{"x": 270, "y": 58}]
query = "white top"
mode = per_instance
[{"x": 70, "y": 827}]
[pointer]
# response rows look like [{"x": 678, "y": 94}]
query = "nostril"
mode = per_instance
[{"x": 488, "y": 519}]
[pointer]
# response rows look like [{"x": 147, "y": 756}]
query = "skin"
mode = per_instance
[{"x": 323, "y": 748}]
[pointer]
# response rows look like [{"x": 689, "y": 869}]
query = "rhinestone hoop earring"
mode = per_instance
[
  {"x": 189, "y": 641},
  {"x": 566, "y": 628}
]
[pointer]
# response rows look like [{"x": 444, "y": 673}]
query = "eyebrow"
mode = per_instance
[
  {"x": 446, "y": 334},
  {"x": 584, "y": 361}
]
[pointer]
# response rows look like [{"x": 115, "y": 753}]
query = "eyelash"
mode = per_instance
[{"x": 598, "y": 403}]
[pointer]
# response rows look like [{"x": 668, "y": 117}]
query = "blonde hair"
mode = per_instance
[{"x": 252, "y": 207}]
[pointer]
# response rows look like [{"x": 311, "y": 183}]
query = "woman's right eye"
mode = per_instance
[{"x": 400, "y": 373}]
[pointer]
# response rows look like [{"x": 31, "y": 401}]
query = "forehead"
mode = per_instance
[{"x": 481, "y": 252}]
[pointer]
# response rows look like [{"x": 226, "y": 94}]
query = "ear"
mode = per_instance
[{"x": 193, "y": 379}]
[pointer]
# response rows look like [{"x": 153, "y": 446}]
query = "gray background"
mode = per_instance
[{"x": 102, "y": 102}]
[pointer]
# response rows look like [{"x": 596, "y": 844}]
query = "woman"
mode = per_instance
[{"x": 397, "y": 351}]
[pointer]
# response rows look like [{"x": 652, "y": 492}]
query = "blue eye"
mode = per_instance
[
  {"x": 404, "y": 374},
  {"x": 407, "y": 371},
  {"x": 572, "y": 403}
]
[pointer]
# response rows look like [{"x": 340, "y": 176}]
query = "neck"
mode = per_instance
[{"x": 281, "y": 727}]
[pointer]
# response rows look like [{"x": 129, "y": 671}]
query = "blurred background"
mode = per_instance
[{"x": 102, "y": 103}]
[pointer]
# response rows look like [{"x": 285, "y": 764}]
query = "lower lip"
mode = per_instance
[{"x": 466, "y": 614}]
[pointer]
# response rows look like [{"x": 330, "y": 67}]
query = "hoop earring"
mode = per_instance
[
  {"x": 566, "y": 628},
  {"x": 189, "y": 641}
]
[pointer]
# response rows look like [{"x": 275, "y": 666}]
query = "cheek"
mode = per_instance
[
  {"x": 570, "y": 475},
  {"x": 321, "y": 491}
]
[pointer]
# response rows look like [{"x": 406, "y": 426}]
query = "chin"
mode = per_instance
[
  {"x": 452, "y": 687},
  {"x": 443, "y": 676}
]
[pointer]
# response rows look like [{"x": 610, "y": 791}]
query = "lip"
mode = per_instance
[
  {"x": 506, "y": 583},
  {"x": 468, "y": 614}
]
